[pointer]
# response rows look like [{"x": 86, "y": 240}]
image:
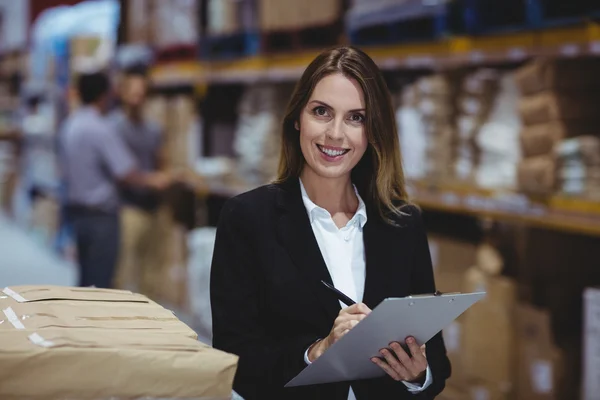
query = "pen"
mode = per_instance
[{"x": 341, "y": 296}]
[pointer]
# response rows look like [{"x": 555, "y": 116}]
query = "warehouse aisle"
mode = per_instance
[{"x": 24, "y": 261}]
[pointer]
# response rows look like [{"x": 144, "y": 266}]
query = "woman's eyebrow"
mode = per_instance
[{"x": 328, "y": 106}]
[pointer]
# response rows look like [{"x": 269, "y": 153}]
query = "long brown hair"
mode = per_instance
[{"x": 378, "y": 176}]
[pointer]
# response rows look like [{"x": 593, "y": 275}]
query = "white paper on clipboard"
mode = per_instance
[{"x": 393, "y": 320}]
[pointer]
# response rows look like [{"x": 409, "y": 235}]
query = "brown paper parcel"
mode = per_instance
[
  {"x": 94, "y": 315},
  {"x": 551, "y": 106},
  {"x": 33, "y": 293},
  {"x": 103, "y": 364}
]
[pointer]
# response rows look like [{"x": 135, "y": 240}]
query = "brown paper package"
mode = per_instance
[
  {"x": 488, "y": 330},
  {"x": 551, "y": 106},
  {"x": 59, "y": 314},
  {"x": 544, "y": 74},
  {"x": 103, "y": 364},
  {"x": 537, "y": 175},
  {"x": 540, "y": 362},
  {"x": 540, "y": 139}
]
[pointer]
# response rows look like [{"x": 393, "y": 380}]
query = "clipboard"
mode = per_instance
[{"x": 394, "y": 319}]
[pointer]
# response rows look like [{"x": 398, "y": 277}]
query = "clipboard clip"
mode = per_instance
[{"x": 437, "y": 293}]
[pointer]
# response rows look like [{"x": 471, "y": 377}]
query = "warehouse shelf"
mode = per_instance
[
  {"x": 573, "y": 215},
  {"x": 573, "y": 41}
]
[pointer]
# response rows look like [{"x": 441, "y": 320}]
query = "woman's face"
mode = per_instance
[{"x": 332, "y": 127}]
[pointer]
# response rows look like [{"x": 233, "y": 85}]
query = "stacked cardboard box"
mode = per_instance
[
  {"x": 278, "y": 15},
  {"x": 162, "y": 23},
  {"x": 451, "y": 258},
  {"x": 110, "y": 343},
  {"x": 489, "y": 337},
  {"x": 475, "y": 101},
  {"x": 540, "y": 363},
  {"x": 559, "y": 102}
]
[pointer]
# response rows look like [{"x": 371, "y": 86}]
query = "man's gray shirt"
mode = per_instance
[
  {"x": 94, "y": 157},
  {"x": 143, "y": 139}
]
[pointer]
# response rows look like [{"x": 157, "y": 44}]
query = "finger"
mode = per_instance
[
  {"x": 348, "y": 317},
  {"x": 419, "y": 362},
  {"x": 413, "y": 346},
  {"x": 401, "y": 355},
  {"x": 358, "y": 308},
  {"x": 393, "y": 362},
  {"x": 345, "y": 326},
  {"x": 388, "y": 370},
  {"x": 423, "y": 349}
]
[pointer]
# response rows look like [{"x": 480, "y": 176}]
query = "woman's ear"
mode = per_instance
[{"x": 297, "y": 125}]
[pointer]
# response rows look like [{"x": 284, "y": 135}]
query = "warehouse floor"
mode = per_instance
[{"x": 23, "y": 261}]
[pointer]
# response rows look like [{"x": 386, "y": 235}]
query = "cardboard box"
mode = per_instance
[
  {"x": 139, "y": 17},
  {"x": 111, "y": 364},
  {"x": 451, "y": 258},
  {"x": 552, "y": 106},
  {"x": 537, "y": 175},
  {"x": 40, "y": 316},
  {"x": 453, "y": 339},
  {"x": 489, "y": 340},
  {"x": 540, "y": 363},
  {"x": 591, "y": 344},
  {"x": 540, "y": 139},
  {"x": 480, "y": 390},
  {"x": 35, "y": 293},
  {"x": 545, "y": 74},
  {"x": 290, "y": 14}
]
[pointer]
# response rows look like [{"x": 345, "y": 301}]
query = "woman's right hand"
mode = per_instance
[{"x": 347, "y": 319}]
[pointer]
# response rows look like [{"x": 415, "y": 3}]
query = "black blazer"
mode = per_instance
[{"x": 269, "y": 306}]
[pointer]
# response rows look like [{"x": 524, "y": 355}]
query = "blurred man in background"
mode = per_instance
[
  {"x": 142, "y": 219},
  {"x": 96, "y": 163}
]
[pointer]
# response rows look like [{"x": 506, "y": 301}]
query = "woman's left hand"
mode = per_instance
[{"x": 399, "y": 365}]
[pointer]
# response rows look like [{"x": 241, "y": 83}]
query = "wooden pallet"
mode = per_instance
[{"x": 308, "y": 38}]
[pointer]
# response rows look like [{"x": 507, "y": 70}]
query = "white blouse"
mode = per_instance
[{"x": 343, "y": 250}]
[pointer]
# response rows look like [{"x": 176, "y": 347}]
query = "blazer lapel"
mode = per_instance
[
  {"x": 297, "y": 236},
  {"x": 383, "y": 255}
]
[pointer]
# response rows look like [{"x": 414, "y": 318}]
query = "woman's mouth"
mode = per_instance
[{"x": 332, "y": 153}]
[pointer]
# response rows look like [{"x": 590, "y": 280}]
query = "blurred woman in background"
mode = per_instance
[{"x": 338, "y": 212}]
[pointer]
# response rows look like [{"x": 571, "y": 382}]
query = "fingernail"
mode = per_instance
[
  {"x": 410, "y": 340},
  {"x": 382, "y": 352}
]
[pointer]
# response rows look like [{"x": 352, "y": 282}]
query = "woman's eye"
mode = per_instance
[
  {"x": 320, "y": 111},
  {"x": 358, "y": 118}
]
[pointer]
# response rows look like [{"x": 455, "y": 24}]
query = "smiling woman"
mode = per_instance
[{"x": 338, "y": 213}]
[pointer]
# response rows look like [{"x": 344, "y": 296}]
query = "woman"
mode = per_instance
[{"x": 339, "y": 213}]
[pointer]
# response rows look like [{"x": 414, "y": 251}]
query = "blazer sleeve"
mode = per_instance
[
  {"x": 422, "y": 281},
  {"x": 239, "y": 327}
]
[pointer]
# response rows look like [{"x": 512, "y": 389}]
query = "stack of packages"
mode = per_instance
[
  {"x": 287, "y": 15},
  {"x": 488, "y": 335},
  {"x": 225, "y": 17},
  {"x": 179, "y": 121},
  {"x": 95, "y": 344},
  {"x": 559, "y": 102},
  {"x": 498, "y": 139},
  {"x": 451, "y": 259},
  {"x": 474, "y": 104},
  {"x": 258, "y": 132},
  {"x": 425, "y": 125},
  {"x": 500, "y": 349}
]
